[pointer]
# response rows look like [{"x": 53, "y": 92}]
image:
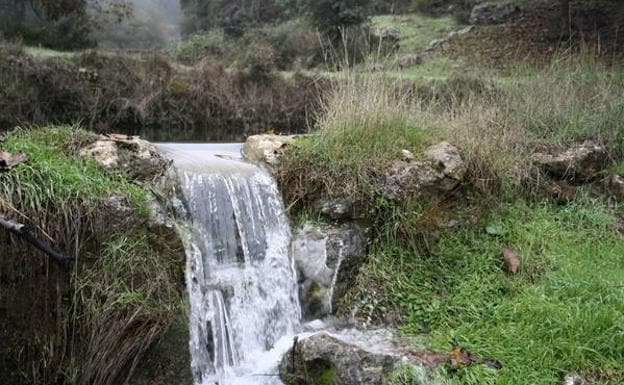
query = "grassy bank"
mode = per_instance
[
  {"x": 562, "y": 313},
  {"x": 93, "y": 322}
]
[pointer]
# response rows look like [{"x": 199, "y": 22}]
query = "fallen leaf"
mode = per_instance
[
  {"x": 512, "y": 261},
  {"x": 460, "y": 358},
  {"x": 8, "y": 160}
]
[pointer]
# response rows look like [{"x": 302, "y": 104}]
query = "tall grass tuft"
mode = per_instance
[{"x": 364, "y": 122}]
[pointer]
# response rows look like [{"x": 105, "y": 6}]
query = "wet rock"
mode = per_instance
[
  {"x": 425, "y": 180},
  {"x": 335, "y": 361},
  {"x": 327, "y": 259},
  {"x": 267, "y": 148},
  {"x": 135, "y": 158},
  {"x": 489, "y": 13},
  {"x": 362, "y": 357},
  {"x": 579, "y": 163},
  {"x": 409, "y": 60}
]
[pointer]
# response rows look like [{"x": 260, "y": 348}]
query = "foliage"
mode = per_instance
[
  {"x": 364, "y": 124},
  {"x": 149, "y": 96},
  {"x": 331, "y": 15},
  {"x": 63, "y": 199},
  {"x": 234, "y": 17},
  {"x": 558, "y": 314},
  {"x": 200, "y": 45}
]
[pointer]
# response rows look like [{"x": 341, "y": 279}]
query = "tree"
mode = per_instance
[
  {"x": 333, "y": 15},
  {"x": 60, "y": 24}
]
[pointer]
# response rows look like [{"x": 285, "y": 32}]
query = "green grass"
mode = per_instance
[
  {"x": 417, "y": 30},
  {"x": 53, "y": 177},
  {"x": 562, "y": 313},
  {"x": 45, "y": 53},
  {"x": 364, "y": 125}
]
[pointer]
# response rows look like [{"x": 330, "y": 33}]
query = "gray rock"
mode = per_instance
[
  {"x": 356, "y": 357},
  {"x": 489, "y": 13},
  {"x": 338, "y": 362},
  {"x": 267, "y": 148},
  {"x": 574, "y": 379},
  {"x": 327, "y": 260},
  {"x": 462, "y": 31},
  {"x": 614, "y": 187},
  {"x": 337, "y": 208},
  {"x": 580, "y": 162},
  {"x": 119, "y": 213},
  {"x": 447, "y": 159},
  {"x": 135, "y": 158},
  {"x": 425, "y": 180},
  {"x": 409, "y": 60},
  {"x": 435, "y": 44}
]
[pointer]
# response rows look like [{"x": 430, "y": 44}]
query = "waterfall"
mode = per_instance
[{"x": 241, "y": 280}]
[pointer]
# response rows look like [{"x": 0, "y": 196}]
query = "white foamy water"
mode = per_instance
[{"x": 240, "y": 278}]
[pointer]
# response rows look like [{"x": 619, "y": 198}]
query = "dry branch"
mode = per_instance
[{"x": 24, "y": 232}]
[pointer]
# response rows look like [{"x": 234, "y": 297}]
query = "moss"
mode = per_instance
[{"x": 326, "y": 377}]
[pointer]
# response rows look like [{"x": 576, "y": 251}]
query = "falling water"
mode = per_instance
[{"x": 241, "y": 280}]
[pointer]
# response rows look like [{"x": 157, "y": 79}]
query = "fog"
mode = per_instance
[{"x": 151, "y": 24}]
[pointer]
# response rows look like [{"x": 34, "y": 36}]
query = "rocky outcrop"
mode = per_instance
[
  {"x": 267, "y": 148},
  {"x": 425, "y": 180},
  {"x": 489, "y": 13},
  {"x": 327, "y": 259},
  {"x": 135, "y": 158},
  {"x": 578, "y": 163},
  {"x": 323, "y": 356},
  {"x": 352, "y": 357}
]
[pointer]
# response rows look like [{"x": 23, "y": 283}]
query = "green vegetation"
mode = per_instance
[
  {"x": 123, "y": 289},
  {"x": 52, "y": 179},
  {"x": 560, "y": 314},
  {"x": 363, "y": 126},
  {"x": 416, "y": 30}
]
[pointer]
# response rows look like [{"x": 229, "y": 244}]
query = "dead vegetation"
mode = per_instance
[{"x": 149, "y": 95}]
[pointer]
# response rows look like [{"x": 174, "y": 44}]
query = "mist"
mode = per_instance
[{"x": 152, "y": 24}]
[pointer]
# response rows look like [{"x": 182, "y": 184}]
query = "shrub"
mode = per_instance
[{"x": 199, "y": 46}]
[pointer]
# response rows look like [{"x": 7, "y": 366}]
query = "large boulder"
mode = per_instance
[
  {"x": 267, "y": 148},
  {"x": 327, "y": 259},
  {"x": 352, "y": 357},
  {"x": 135, "y": 158},
  {"x": 425, "y": 180},
  {"x": 578, "y": 163},
  {"x": 489, "y": 13},
  {"x": 323, "y": 356}
]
